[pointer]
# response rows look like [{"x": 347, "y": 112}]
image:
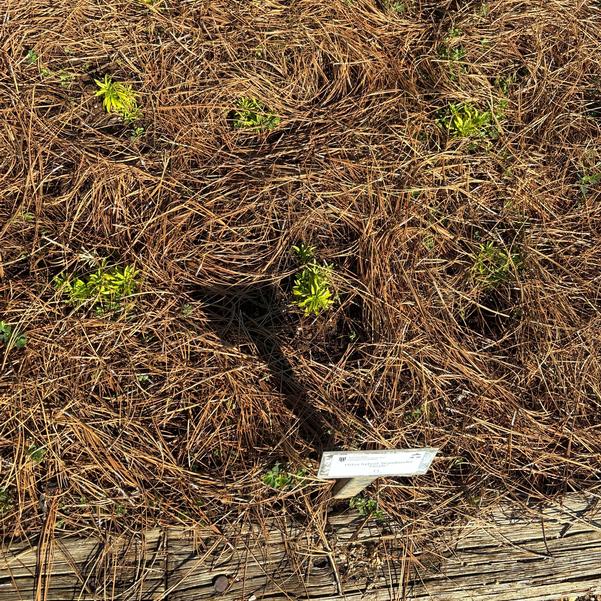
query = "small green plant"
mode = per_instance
[
  {"x": 32, "y": 57},
  {"x": 11, "y": 337},
  {"x": 280, "y": 478},
  {"x": 252, "y": 114},
  {"x": 104, "y": 288},
  {"x": 493, "y": 265},
  {"x": 118, "y": 98},
  {"x": 36, "y": 454},
  {"x": 304, "y": 252},
  {"x": 5, "y": 502},
  {"x": 588, "y": 181},
  {"x": 312, "y": 288},
  {"x": 367, "y": 507},
  {"x": 137, "y": 133},
  {"x": 464, "y": 120}
]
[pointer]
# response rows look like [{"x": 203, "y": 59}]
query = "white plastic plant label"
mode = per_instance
[{"x": 391, "y": 462}]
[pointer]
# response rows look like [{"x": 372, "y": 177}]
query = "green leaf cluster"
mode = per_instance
[
  {"x": 367, "y": 507},
  {"x": 311, "y": 288},
  {"x": 118, "y": 98},
  {"x": 252, "y": 114},
  {"x": 104, "y": 288},
  {"x": 494, "y": 265},
  {"x": 11, "y": 337},
  {"x": 280, "y": 478},
  {"x": 464, "y": 120}
]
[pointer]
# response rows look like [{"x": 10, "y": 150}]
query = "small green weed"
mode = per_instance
[
  {"x": 253, "y": 114},
  {"x": 32, "y": 57},
  {"x": 36, "y": 454},
  {"x": 118, "y": 98},
  {"x": 137, "y": 133},
  {"x": 367, "y": 507},
  {"x": 312, "y": 288},
  {"x": 105, "y": 288},
  {"x": 464, "y": 120},
  {"x": 280, "y": 478},
  {"x": 5, "y": 501},
  {"x": 11, "y": 337},
  {"x": 588, "y": 181},
  {"x": 493, "y": 265},
  {"x": 304, "y": 252}
]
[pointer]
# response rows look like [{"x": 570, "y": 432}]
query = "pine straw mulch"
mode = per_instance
[{"x": 171, "y": 411}]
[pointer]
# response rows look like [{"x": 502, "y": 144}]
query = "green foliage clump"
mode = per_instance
[
  {"x": 104, "y": 288},
  {"x": 494, "y": 265},
  {"x": 118, "y": 98},
  {"x": 304, "y": 252},
  {"x": 252, "y": 114},
  {"x": 5, "y": 501},
  {"x": 11, "y": 337},
  {"x": 367, "y": 507},
  {"x": 312, "y": 288},
  {"x": 36, "y": 454},
  {"x": 588, "y": 181},
  {"x": 280, "y": 478},
  {"x": 464, "y": 120}
]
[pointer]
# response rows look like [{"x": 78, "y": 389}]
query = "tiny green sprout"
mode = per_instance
[
  {"x": 280, "y": 478},
  {"x": 367, "y": 507},
  {"x": 493, "y": 265},
  {"x": 414, "y": 415},
  {"x": 252, "y": 114},
  {"x": 118, "y": 98},
  {"x": 105, "y": 287},
  {"x": 143, "y": 379},
  {"x": 588, "y": 181},
  {"x": 5, "y": 501},
  {"x": 65, "y": 78},
  {"x": 137, "y": 133},
  {"x": 36, "y": 454},
  {"x": 312, "y": 288},
  {"x": 32, "y": 57},
  {"x": 467, "y": 121},
  {"x": 11, "y": 337},
  {"x": 304, "y": 252}
]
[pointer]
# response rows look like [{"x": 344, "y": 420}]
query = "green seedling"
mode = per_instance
[
  {"x": 5, "y": 502},
  {"x": 104, "y": 289},
  {"x": 464, "y": 120},
  {"x": 493, "y": 265},
  {"x": 11, "y": 337},
  {"x": 118, "y": 98},
  {"x": 304, "y": 252},
  {"x": 588, "y": 181},
  {"x": 251, "y": 113},
  {"x": 312, "y": 288},
  {"x": 280, "y": 478},
  {"x": 137, "y": 133},
  {"x": 32, "y": 57},
  {"x": 367, "y": 507},
  {"x": 36, "y": 454}
]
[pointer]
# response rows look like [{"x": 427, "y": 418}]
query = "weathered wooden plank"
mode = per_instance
[{"x": 530, "y": 555}]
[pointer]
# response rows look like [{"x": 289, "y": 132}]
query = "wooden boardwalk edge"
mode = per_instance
[{"x": 533, "y": 556}]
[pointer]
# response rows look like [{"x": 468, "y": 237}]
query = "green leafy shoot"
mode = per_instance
[
  {"x": 32, "y": 57},
  {"x": 105, "y": 288},
  {"x": 464, "y": 120},
  {"x": 118, "y": 98},
  {"x": 11, "y": 337},
  {"x": 304, "y": 252},
  {"x": 311, "y": 288},
  {"x": 36, "y": 454},
  {"x": 588, "y": 181},
  {"x": 5, "y": 501},
  {"x": 367, "y": 507},
  {"x": 280, "y": 478},
  {"x": 493, "y": 265},
  {"x": 252, "y": 114}
]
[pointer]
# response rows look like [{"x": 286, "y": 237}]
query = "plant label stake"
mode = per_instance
[{"x": 354, "y": 470}]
